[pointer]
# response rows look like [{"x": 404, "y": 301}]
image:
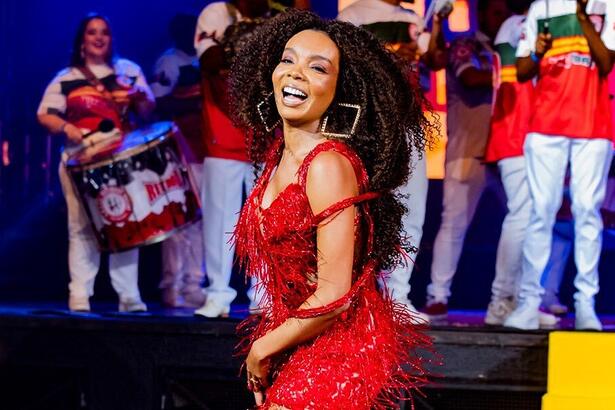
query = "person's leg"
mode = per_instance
[
  {"x": 546, "y": 159},
  {"x": 83, "y": 254},
  {"x": 221, "y": 200},
  {"x": 255, "y": 293},
  {"x": 172, "y": 270},
  {"x": 563, "y": 235},
  {"x": 460, "y": 199},
  {"x": 415, "y": 191},
  {"x": 124, "y": 272},
  {"x": 509, "y": 253},
  {"x": 590, "y": 160},
  {"x": 193, "y": 269}
]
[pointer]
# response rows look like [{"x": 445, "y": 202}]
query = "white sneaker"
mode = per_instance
[
  {"x": 498, "y": 310},
  {"x": 132, "y": 305},
  {"x": 547, "y": 320},
  {"x": 212, "y": 309},
  {"x": 418, "y": 318},
  {"x": 585, "y": 317},
  {"x": 79, "y": 303},
  {"x": 525, "y": 317}
]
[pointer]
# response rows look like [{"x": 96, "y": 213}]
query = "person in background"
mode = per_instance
[
  {"x": 571, "y": 124},
  {"x": 399, "y": 29},
  {"x": 177, "y": 88},
  {"x": 509, "y": 123},
  {"x": 228, "y": 174},
  {"x": 95, "y": 86},
  {"x": 469, "y": 104}
]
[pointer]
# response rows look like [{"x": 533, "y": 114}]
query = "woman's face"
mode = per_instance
[
  {"x": 96, "y": 40},
  {"x": 305, "y": 80}
]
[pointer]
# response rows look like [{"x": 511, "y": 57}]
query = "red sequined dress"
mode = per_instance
[{"x": 366, "y": 359}]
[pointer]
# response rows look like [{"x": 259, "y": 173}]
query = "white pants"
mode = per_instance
[
  {"x": 182, "y": 253},
  {"x": 547, "y": 158},
  {"x": 84, "y": 256},
  {"x": 398, "y": 280},
  {"x": 563, "y": 235},
  {"x": 460, "y": 199},
  {"x": 224, "y": 183},
  {"x": 510, "y": 246}
]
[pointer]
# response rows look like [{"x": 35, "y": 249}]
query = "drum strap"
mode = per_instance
[
  {"x": 95, "y": 82},
  {"x": 101, "y": 88}
]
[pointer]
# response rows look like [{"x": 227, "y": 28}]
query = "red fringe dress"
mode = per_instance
[{"x": 367, "y": 358}]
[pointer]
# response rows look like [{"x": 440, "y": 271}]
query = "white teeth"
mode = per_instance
[{"x": 294, "y": 91}]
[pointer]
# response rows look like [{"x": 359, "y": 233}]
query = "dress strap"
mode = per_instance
[
  {"x": 367, "y": 274},
  {"x": 341, "y": 148},
  {"x": 343, "y": 204}
]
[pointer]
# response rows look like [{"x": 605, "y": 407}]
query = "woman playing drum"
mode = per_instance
[{"x": 95, "y": 88}]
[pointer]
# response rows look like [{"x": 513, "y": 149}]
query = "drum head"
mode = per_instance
[
  {"x": 132, "y": 143},
  {"x": 144, "y": 136}
]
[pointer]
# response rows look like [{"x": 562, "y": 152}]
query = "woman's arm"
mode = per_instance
[
  {"x": 331, "y": 178},
  {"x": 57, "y": 125},
  {"x": 436, "y": 56}
]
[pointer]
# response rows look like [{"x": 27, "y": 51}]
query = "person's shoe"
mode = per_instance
[
  {"x": 212, "y": 309},
  {"x": 525, "y": 317},
  {"x": 254, "y": 308},
  {"x": 585, "y": 317},
  {"x": 79, "y": 303},
  {"x": 132, "y": 305},
  {"x": 193, "y": 296},
  {"x": 547, "y": 320},
  {"x": 435, "y": 310},
  {"x": 551, "y": 303},
  {"x": 418, "y": 318},
  {"x": 498, "y": 310},
  {"x": 172, "y": 298}
]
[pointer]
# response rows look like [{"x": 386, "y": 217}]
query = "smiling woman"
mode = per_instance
[{"x": 322, "y": 220}]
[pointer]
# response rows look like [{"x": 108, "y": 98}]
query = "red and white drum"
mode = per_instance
[{"x": 138, "y": 193}]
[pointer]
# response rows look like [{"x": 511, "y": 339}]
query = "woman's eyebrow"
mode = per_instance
[{"x": 312, "y": 57}]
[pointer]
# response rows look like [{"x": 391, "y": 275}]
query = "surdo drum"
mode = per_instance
[{"x": 138, "y": 193}]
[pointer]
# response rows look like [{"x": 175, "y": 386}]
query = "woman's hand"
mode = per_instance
[
  {"x": 127, "y": 95},
  {"x": 121, "y": 97},
  {"x": 73, "y": 133},
  {"x": 257, "y": 366}
]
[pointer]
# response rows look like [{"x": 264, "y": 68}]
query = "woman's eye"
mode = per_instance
[
  {"x": 319, "y": 69},
  {"x": 286, "y": 61}
]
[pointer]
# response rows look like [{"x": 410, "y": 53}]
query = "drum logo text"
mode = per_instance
[
  {"x": 155, "y": 190},
  {"x": 114, "y": 204}
]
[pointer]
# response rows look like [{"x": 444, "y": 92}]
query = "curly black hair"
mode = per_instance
[{"x": 392, "y": 123}]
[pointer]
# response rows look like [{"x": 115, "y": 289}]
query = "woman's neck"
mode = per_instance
[
  {"x": 300, "y": 141},
  {"x": 95, "y": 61}
]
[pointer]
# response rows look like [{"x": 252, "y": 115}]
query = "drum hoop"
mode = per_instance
[
  {"x": 125, "y": 154},
  {"x": 158, "y": 238}
]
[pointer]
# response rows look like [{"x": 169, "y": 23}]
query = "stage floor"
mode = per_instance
[
  {"x": 471, "y": 320},
  {"x": 169, "y": 359}
]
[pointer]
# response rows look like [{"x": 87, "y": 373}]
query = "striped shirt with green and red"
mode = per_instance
[{"x": 571, "y": 97}]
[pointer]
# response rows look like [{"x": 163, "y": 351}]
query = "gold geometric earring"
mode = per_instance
[
  {"x": 327, "y": 134},
  {"x": 260, "y": 113}
]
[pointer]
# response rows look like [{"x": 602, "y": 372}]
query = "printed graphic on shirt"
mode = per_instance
[{"x": 570, "y": 92}]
